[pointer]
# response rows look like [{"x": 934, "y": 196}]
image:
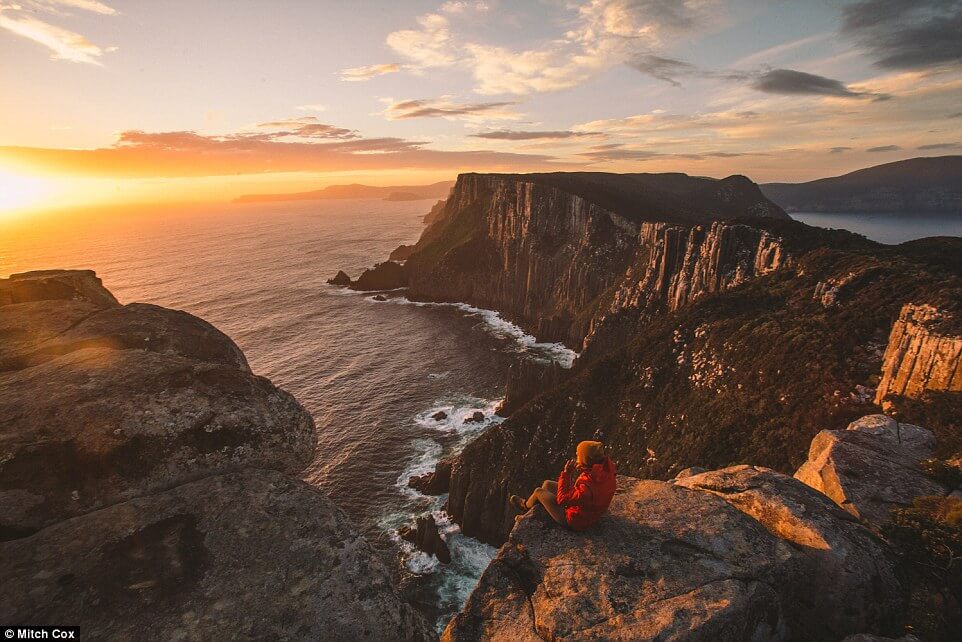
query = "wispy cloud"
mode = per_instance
[
  {"x": 187, "y": 153},
  {"x": 507, "y": 134},
  {"x": 839, "y": 150},
  {"x": 20, "y": 19},
  {"x": 445, "y": 108},
  {"x": 884, "y": 148},
  {"x": 933, "y": 146},
  {"x": 604, "y": 33},
  {"x": 312, "y": 107},
  {"x": 304, "y": 127},
  {"x": 360, "y": 74}
]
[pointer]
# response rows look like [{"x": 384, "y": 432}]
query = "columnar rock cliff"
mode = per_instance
[
  {"x": 919, "y": 357},
  {"x": 148, "y": 483},
  {"x": 546, "y": 249}
]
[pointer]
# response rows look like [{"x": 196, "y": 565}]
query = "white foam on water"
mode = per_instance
[
  {"x": 544, "y": 351},
  {"x": 469, "y": 558}
]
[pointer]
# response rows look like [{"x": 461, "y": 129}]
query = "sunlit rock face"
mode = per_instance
[
  {"x": 919, "y": 357},
  {"x": 148, "y": 482},
  {"x": 546, "y": 249},
  {"x": 871, "y": 467},
  {"x": 737, "y": 554}
]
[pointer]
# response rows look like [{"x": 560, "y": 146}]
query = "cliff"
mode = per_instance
[
  {"x": 741, "y": 553},
  {"x": 919, "y": 357},
  {"x": 148, "y": 483},
  {"x": 544, "y": 249},
  {"x": 908, "y": 188}
]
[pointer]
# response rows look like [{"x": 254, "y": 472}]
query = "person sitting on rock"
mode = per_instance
[{"x": 582, "y": 493}]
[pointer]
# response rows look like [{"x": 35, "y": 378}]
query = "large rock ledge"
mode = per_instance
[
  {"x": 742, "y": 553},
  {"x": 147, "y": 483}
]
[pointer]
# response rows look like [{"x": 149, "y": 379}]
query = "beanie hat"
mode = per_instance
[{"x": 590, "y": 452}]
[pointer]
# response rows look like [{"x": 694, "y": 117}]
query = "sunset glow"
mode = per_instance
[
  {"x": 115, "y": 108},
  {"x": 18, "y": 192}
]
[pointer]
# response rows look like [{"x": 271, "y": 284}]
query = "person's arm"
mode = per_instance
[{"x": 571, "y": 490}]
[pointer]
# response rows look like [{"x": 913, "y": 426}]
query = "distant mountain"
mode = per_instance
[
  {"x": 356, "y": 190},
  {"x": 915, "y": 186}
]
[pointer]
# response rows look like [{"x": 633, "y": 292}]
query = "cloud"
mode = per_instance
[
  {"x": 907, "y": 34},
  {"x": 884, "y": 148},
  {"x": 63, "y": 43},
  {"x": 666, "y": 69},
  {"x": 313, "y": 107},
  {"x": 507, "y": 134},
  {"x": 603, "y": 34},
  {"x": 304, "y": 127},
  {"x": 461, "y": 6},
  {"x": 791, "y": 82},
  {"x": 444, "y": 108},
  {"x": 86, "y": 5},
  {"x": 360, "y": 74},
  {"x": 427, "y": 47},
  {"x": 938, "y": 146},
  {"x": 186, "y": 153},
  {"x": 839, "y": 150}
]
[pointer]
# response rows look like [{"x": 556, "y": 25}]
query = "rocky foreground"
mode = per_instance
[
  {"x": 741, "y": 553},
  {"x": 148, "y": 483}
]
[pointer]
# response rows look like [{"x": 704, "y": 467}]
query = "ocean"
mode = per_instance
[
  {"x": 371, "y": 373},
  {"x": 886, "y": 228}
]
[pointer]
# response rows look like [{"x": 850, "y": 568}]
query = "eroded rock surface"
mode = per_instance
[
  {"x": 248, "y": 555},
  {"x": 871, "y": 467},
  {"x": 148, "y": 489},
  {"x": 737, "y": 554}
]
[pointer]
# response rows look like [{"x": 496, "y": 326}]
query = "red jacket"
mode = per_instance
[{"x": 586, "y": 498}]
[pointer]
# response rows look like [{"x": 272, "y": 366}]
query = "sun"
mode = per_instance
[{"x": 18, "y": 192}]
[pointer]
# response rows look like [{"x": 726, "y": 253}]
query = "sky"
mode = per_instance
[{"x": 140, "y": 100}]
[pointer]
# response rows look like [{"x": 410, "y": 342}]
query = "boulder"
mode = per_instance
[
  {"x": 383, "y": 276},
  {"x": 379, "y": 297},
  {"x": 247, "y": 555},
  {"x": 439, "y": 416},
  {"x": 425, "y": 537},
  {"x": 738, "y": 554},
  {"x": 434, "y": 483},
  {"x": 666, "y": 563},
  {"x": 688, "y": 472},
  {"x": 871, "y": 467},
  {"x": 837, "y": 560},
  {"x": 341, "y": 279},
  {"x": 475, "y": 417}
]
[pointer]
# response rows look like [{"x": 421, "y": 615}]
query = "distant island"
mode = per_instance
[
  {"x": 931, "y": 185},
  {"x": 356, "y": 190}
]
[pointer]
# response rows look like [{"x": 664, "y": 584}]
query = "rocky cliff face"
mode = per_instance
[
  {"x": 919, "y": 357},
  {"x": 147, "y": 483},
  {"x": 547, "y": 256},
  {"x": 742, "y": 553}
]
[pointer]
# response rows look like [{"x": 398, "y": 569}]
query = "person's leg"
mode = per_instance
[{"x": 548, "y": 499}]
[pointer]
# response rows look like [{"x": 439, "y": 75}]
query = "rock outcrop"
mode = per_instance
[
  {"x": 433, "y": 483},
  {"x": 425, "y": 536},
  {"x": 340, "y": 279},
  {"x": 527, "y": 379},
  {"x": 147, "y": 483},
  {"x": 871, "y": 467},
  {"x": 737, "y": 554},
  {"x": 247, "y": 555},
  {"x": 919, "y": 357},
  {"x": 383, "y": 276}
]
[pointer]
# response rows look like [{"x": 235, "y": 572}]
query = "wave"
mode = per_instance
[{"x": 539, "y": 350}]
